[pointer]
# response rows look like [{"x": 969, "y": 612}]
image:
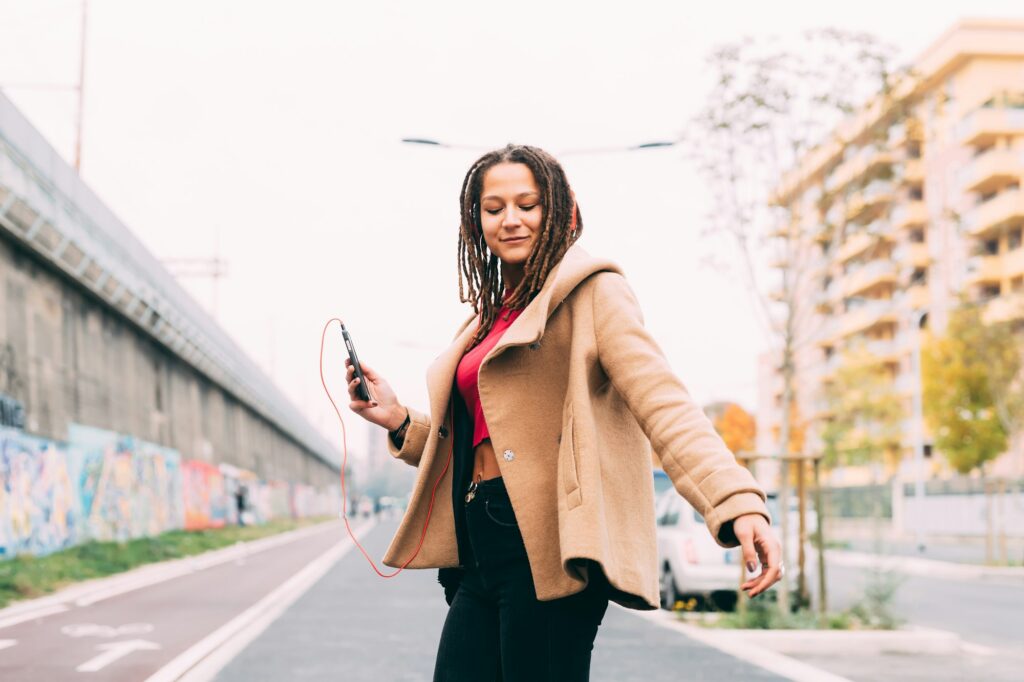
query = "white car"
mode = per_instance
[{"x": 690, "y": 562}]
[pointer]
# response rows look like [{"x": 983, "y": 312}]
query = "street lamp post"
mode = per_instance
[{"x": 916, "y": 316}]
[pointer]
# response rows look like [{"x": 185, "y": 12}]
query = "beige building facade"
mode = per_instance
[{"x": 925, "y": 190}]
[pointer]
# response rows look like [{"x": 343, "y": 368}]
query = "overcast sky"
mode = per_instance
[{"x": 274, "y": 128}]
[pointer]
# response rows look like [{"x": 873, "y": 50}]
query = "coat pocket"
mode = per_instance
[{"x": 569, "y": 464}]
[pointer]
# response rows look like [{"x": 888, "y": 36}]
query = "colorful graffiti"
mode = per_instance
[
  {"x": 102, "y": 485},
  {"x": 39, "y": 509},
  {"x": 128, "y": 488}
]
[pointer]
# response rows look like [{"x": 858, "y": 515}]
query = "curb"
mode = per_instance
[
  {"x": 762, "y": 657},
  {"x": 92, "y": 591},
  {"x": 849, "y": 642},
  {"x": 930, "y": 568}
]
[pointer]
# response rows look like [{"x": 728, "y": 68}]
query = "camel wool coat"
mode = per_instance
[{"x": 576, "y": 393}]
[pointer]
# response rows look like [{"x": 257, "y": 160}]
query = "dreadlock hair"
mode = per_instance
[{"x": 558, "y": 232}]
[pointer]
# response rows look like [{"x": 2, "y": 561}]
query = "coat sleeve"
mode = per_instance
[
  {"x": 415, "y": 438},
  {"x": 692, "y": 453}
]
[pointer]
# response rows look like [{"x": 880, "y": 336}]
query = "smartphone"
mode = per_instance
[{"x": 361, "y": 390}]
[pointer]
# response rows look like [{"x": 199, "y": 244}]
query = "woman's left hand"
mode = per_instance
[{"x": 760, "y": 546}]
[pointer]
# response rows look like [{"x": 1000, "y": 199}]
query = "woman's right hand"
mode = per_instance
[{"x": 383, "y": 408}]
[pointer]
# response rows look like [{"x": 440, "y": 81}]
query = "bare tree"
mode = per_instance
[{"x": 771, "y": 106}]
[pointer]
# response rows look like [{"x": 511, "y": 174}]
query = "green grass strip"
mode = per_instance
[{"x": 26, "y": 576}]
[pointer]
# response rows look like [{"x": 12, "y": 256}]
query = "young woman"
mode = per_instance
[{"x": 537, "y": 444}]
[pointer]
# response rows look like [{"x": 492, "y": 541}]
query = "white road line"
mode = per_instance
[
  {"x": 7, "y": 643},
  {"x": 32, "y": 615},
  {"x": 92, "y": 591},
  {"x": 203, "y": 660},
  {"x": 113, "y": 651},
  {"x": 771, "y": 661}
]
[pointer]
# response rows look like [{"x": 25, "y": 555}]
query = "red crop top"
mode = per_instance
[{"x": 468, "y": 371}]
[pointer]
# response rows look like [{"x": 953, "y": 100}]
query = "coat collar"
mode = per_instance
[{"x": 575, "y": 266}]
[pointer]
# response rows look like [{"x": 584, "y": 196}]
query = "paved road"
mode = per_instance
[
  {"x": 130, "y": 636},
  {"x": 986, "y": 614},
  {"x": 353, "y": 625}
]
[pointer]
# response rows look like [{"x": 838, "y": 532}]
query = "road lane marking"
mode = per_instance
[
  {"x": 96, "y": 630},
  {"x": 113, "y": 651},
  {"x": 32, "y": 615},
  {"x": 203, "y": 660},
  {"x": 97, "y": 589},
  {"x": 774, "y": 662},
  {"x": 7, "y": 643}
]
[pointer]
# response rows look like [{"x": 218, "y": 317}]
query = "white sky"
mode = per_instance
[{"x": 277, "y": 124}]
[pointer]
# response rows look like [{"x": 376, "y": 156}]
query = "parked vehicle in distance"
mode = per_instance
[{"x": 690, "y": 563}]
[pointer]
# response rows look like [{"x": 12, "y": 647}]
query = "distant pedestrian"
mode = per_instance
[
  {"x": 241, "y": 503},
  {"x": 552, "y": 492}
]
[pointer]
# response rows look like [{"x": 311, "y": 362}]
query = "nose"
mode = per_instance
[{"x": 512, "y": 218}]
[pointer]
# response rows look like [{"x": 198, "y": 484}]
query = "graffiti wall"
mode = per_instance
[
  {"x": 39, "y": 506},
  {"x": 102, "y": 485},
  {"x": 128, "y": 488}
]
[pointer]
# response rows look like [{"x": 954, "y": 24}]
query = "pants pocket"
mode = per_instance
[{"x": 501, "y": 513}]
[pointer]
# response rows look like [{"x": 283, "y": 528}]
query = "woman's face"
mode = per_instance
[{"x": 510, "y": 212}]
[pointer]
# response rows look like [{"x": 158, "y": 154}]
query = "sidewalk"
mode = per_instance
[{"x": 955, "y": 550}]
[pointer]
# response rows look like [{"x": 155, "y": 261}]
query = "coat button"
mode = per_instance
[
  {"x": 509, "y": 455},
  {"x": 443, "y": 431}
]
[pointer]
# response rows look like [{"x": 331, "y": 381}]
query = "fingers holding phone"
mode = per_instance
[{"x": 370, "y": 396}]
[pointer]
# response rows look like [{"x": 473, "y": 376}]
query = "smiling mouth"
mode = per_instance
[{"x": 516, "y": 239}]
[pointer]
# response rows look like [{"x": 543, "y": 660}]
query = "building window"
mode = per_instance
[
  {"x": 920, "y": 276},
  {"x": 914, "y": 150},
  {"x": 1013, "y": 239},
  {"x": 1017, "y": 283},
  {"x": 917, "y": 236},
  {"x": 991, "y": 247},
  {"x": 990, "y": 291},
  {"x": 916, "y": 193}
]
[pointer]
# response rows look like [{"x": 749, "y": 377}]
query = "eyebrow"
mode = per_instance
[{"x": 518, "y": 196}]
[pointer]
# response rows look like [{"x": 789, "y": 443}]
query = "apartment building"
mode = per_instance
[{"x": 925, "y": 192}]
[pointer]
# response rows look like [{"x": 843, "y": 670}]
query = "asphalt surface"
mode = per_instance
[
  {"x": 130, "y": 636},
  {"x": 353, "y": 625}
]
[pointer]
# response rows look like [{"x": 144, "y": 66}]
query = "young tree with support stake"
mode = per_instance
[{"x": 768, "y": 109}]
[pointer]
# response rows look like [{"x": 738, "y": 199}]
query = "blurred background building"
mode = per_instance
[{"x": 922, "y": 187}]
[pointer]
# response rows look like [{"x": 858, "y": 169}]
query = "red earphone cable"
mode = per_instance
[{"x": 344, "y": 461}]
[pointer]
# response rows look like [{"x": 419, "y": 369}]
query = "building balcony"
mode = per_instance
[
  {"x": 867, "y": 201},
  {"x": 911, "y": 213},
  {"x": 865, "y": 162},
  {"x": 871, "y": 275},
  {"x": 994, "y": 213},
  {"x": 912, "y": 172},
  {"x": 982, "y": 126},
  {"x": 866, "y": 316},
  {"x": 1004, "y": 308},
  {"x": 984, "y": 270},
  {"x": 993, "y": 169},
  {"x": 914, "y": 254},
  {"x": 886, "y": 350},
  {"x": 855, "y": 245}
]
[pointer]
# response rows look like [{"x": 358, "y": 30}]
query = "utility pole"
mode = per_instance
[{"x": 81, "y": 89}]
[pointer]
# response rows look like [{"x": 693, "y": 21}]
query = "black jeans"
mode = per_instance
[{"x": 496, "y": 628}]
